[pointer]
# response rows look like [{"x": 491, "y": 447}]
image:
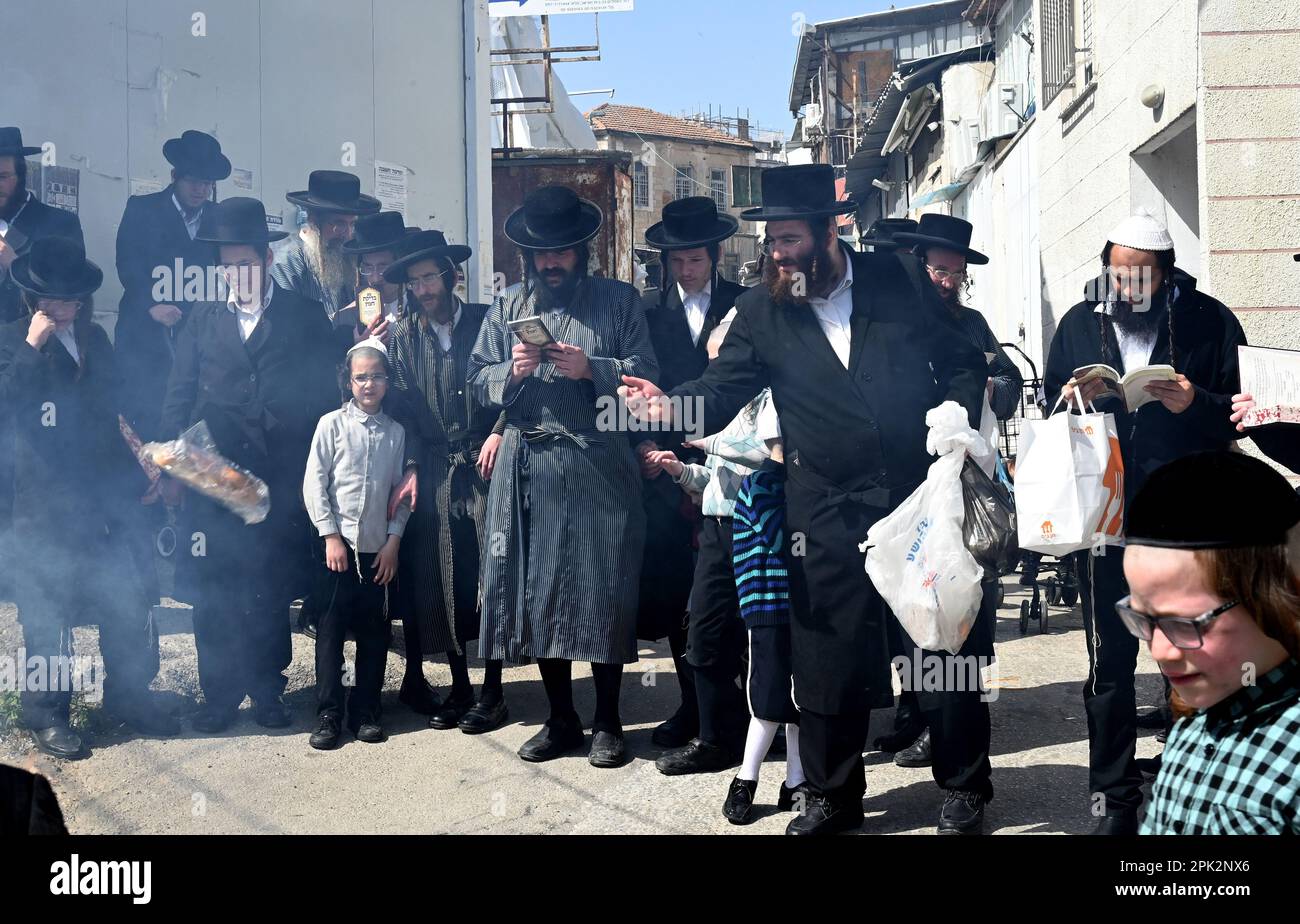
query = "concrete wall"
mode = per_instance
[{"x": 284, "y": 85}]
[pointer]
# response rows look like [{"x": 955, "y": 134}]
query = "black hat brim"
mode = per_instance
[
  {"x": 881, "y": 243},
  {"x": 587, "y": 227},
  {"x": 351, "y": 247},
  {"x": 724, "y": 227},
  {"x": 87, "y": 282},
  {"x": 456, "y": 253},
  {"x": 216, "y": 169},
  {"x": 24, "y": 151},
  {"x": 362, "y": 205},
  {"x": 270, "y": 237},
  {"x": 789, "y": 213},
  {"x": 906, "y": 239}
]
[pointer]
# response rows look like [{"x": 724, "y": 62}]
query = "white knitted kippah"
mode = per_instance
[
  {"x": 1142, "y": 231},
  {"x": 373, "y": 343}
]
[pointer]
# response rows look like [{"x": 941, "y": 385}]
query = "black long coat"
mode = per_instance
[
  {"x": 668, "y": 564},
  {"x": 35, "y": 221},
  {"x": 152, "y": 235},
  {"x": 855, "y": 448}
]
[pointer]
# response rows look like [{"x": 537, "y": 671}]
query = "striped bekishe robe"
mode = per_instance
[{"x": 565, "y": 524}]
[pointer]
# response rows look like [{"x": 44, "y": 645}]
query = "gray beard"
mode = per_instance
[{"x": 333, "y": 268}]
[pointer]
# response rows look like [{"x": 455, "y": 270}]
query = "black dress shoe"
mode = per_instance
[
  {"x": 607, "y": 750},
  {"x": 370, "y": 732},
  {"x": 327, "y": 733},
  {"x": 416, "y": 695},
  {"x": 896, "y": 741},
  {"x": 449, "y": 714},
  {"x": 678, "y": 730},
  {"x": 739, "y": 806},
  {"x": 697, "y": 757},
  {"x": 554, "y": 740},
  {"x": 213, "y": 719},
  {"x": 271, "y": 713},
  {"x": 484, "y": 718},
  {"x": 821, "y": 817},
  {"x": 148, "y": 719},
  {"x": 962, "y": 813},
  {"x": 918, "y": 755},
  {"x": 786, "y": 798},
  {"x": 1123, "y": 824},
  {"x": 59, "y": 741}
]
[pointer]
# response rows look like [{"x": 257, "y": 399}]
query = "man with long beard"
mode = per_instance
[
  {"x": 856, "y": 349},
  {"x": 1142, "y": 310},
  {"x": 316, "y": 266},
  {"x": 565, "y": 499},
  {"x": 452, "y": 442}
]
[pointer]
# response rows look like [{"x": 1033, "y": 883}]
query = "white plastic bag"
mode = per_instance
[
  {"x": 1069, "y": 483},
  {"x": 987, "y": 459},
  {"x": 916, "y": 556}
]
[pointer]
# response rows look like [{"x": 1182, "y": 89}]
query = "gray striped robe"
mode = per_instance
[{"x": 565, "y": 525}]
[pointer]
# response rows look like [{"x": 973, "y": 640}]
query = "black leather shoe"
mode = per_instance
[
  {"x": 212, "y": 719},
  {"x": 1123, "y": 824},
  {"x": 962, "y": 813},
  {"x": 271, "y": 713},
  {"x": 327, "y": 733},
  {"x": 821, "y": 817},
  {"x": 739, "y": 807},
  {"x": 59, "y": 741},
  {"x": 148, "y": 719},
  {"x": 418, "y": 696},
  {"x": 483, "y": 718},
  {"x": 697, "y": 757},
  {"x": 896, "y": 741},
  {"x": 678, "y": 730},
  {"x": 607, "y": 750},
  {"x": 918, "y": 755},
  {"x": 370, "y": 732},
  {"x": 785, "y": 799},
  {"x": 451, "y": 712},
  {"x": 554, "y": 740}
]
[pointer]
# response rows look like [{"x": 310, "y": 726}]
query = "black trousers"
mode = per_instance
[
  {"x": 355, "y": 603},
  {"x": 715, "y": 637},
  {"x": 830, "y": 747},
  {"x": 1109, "y": 696}
]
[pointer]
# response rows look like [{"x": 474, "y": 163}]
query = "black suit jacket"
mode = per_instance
[
  {"x": 36, "y": 220},
  {"x": 679, "y": 359}
]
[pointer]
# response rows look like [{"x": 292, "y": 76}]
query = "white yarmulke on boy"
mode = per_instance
[
  {"x": 373, "y": 343},
  {"x": 1142, "y": 231}
]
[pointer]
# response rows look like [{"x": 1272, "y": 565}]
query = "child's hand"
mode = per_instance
[
  {"x": 336, "y": 553},
  {"x": 666, "y": 460},
  {"x": 386, "y": 561}
]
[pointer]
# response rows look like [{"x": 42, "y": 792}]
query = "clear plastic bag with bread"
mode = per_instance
[{"x": 193, "y": 459}]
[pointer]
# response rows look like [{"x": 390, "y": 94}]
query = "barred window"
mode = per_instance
[
  {"x": 640, "y": 185},
  {"x": 1057, "y": 47},
  {"x": 684, "y": 183},
  {"x": 718, "y": 186}
]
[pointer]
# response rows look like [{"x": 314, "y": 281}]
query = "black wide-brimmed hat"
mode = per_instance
[
  {"x": 1212, "y": 500},
  {"x": 799, "y": 191},
  {"x": 11, "y": 143},
  {"x": 691, "y": 222},
  {"x": 881, "y": 233},
  {"x": 553, "y": 218},
  {"x": 197, "y": 154},
  {"x": 380, "y": 231},
  {"x": 425, "y": 245},
  {"x": 56, "y": 267},
  {"x": 237, "y": 220},
  {"x": 937, "y": 230},
  {"x": 334, "y": 191}
]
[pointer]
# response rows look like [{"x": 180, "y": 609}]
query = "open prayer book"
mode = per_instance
[
  {"x": 1130, "y": 389},
  {"x": 1272, "y": 378}
]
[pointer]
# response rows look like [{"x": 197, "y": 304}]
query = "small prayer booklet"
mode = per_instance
[
  {"x": 1272, "y": 378},
  {"x": 1130, "y": 389},
  {"x": 531, "y": 329}
]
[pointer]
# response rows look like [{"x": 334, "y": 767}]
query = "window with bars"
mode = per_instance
[
  {"x": 718, "y": 186},
  {"x": 1057, "y": 47},
  {"x": 684, "y": 181},
  {"x": 640, "y": 185}
]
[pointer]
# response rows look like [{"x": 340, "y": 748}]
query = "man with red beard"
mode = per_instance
[{"x": 853, "y": 370}]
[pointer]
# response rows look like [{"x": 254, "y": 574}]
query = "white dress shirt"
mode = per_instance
[
  {"x": 248, "y": 318},
  {"x": 696, "y": 306},
  {"x": 191, "y": 224},
  {"x": 444, "y": 330},
  {"x": 835, "y": 311}
]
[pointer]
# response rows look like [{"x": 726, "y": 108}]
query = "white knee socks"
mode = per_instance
[{"x": 757, "y": 743}]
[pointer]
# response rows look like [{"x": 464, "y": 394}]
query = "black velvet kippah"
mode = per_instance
[{"x": 1213, "y": 500}]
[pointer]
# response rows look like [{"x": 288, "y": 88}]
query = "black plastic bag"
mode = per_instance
[{"x": 989, "y": 527}]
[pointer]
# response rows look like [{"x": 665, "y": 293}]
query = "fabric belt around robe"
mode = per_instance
[{"x": 866, "y": 492}]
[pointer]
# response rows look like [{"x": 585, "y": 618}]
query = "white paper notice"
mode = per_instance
[
  {"x": 241, "y": 178},
  {"x": 1272, "y": 377},
  {"x": 143, "y": 187},
  {"x": 390, "y": 186}
]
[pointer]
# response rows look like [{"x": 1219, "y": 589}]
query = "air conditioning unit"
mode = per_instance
[
  {"x": 812, "y": 116},
  {"x": 1002, "y": 111}
]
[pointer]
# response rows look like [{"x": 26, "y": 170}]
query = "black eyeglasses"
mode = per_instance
[{"x": 1183, "y": 632}]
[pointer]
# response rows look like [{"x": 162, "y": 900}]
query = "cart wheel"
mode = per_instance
[
  {"x": 1036, "y": 610},
  {"x": 1069, "y": 596},
  {"x": 1042, "y": 623},
  {"x": 1024, "y": 616},
  {"x": 1002, "y": 595},
  {"x": 1053, "y": 587}
]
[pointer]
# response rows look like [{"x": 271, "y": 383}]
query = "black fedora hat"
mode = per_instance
[
  {"x": 691, "y": 222},
  {"x": 799, "y": 191},
  {"x": 425, "y": 245},
  {"x": 237, "y": 220},
  {"x": 553, "y": 218},
  {"x": 56, "y": 267},
  {"x": 937, "y": 230},
  {"x": 197, "y": 154},
  {"x": 11, "y": 143},
  {"x": 380, "y": 231},
  {"x": 334, "y": 191},
  {"x": 881, "y": 233}
]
